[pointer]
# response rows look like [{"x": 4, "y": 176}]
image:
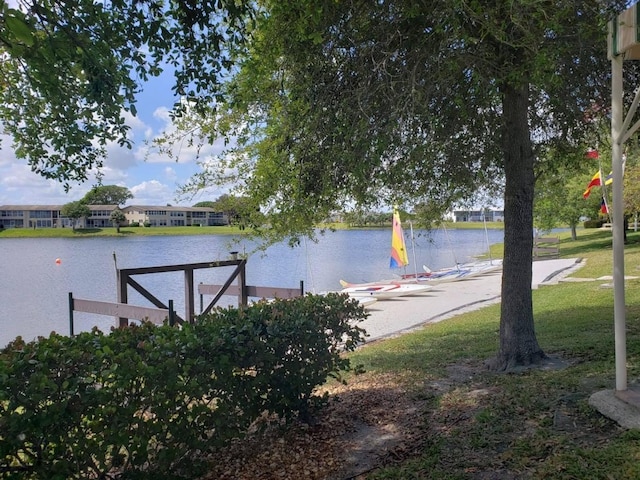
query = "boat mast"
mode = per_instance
[
  {"x": 413, "y": 246},
  {"x": 486, "y": 236}
]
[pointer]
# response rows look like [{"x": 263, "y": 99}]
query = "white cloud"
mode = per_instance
[
  {"x": 134, "y": 122},
  {"x": 184, "y": 149},
  {"x": 120, "y": 158},
  {"x": 7, "y": 154},
  {"x": 151, "y": 176},
  {"x": 170, "y": 174},
  {"x": 163, "y": 113},
  {"x": 19, "y": 185},
  {"x": 151, "y": 193}
]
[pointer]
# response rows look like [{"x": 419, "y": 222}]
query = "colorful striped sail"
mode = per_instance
[{"x": 399, "y": 257}]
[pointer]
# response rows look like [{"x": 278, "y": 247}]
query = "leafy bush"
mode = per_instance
[
  {"x": 149, "y": 401},
  {"x": 593, "y": 223}
]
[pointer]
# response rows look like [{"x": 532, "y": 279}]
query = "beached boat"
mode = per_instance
[
  {"x": 384, "y": 290},
  {"x": 398, "y": 259},
  {"x": 461, "y": 271},
  {"x": 436, "y": 276},
  {"x": 471, "y": 269},
  {"x": 366, "y": 301}
]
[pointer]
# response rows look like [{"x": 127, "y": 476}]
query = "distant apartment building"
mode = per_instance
[
  {"x": 33, "y": 216},
  {"x": 50, "y": 216},
  {"x": 475, "y": 215},
  {"x": 173, "y": 216}
]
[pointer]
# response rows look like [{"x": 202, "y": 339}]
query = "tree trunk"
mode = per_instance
[{"x": 518, "y": 343}]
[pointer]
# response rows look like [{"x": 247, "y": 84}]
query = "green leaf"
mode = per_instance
[{"x": 22, "y": 31}]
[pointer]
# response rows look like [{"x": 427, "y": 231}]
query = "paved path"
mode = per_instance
[{"x": 393, "y": 316}]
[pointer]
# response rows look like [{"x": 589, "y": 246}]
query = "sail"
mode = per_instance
[{"x": 399, "y": 257}]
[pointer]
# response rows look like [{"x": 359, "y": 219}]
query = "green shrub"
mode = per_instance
[
  {"x": 593, "y": 223},
  {"x": 149, "y": 401}
]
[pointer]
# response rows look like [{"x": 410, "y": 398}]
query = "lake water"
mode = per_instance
[{"x": 34, "y": 288}]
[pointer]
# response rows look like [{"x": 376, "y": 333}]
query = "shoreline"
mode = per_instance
[
  {"x": 393, "y": 317},
  {"x": 127, "y": 231}
]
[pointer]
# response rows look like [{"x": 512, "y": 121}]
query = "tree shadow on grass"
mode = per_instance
[{"x": 602, "y": 240}]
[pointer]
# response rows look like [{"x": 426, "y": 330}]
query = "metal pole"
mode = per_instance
[
  {"x": 618, "y": 223},
  {"x": 413, "y": 245}
]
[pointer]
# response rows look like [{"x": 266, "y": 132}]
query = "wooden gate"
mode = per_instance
[{"x": 125, "y": 280}]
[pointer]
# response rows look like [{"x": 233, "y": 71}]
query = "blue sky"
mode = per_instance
[{"x": 152, "y": 178}]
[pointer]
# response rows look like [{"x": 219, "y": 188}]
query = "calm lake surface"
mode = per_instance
[{"x": 34, "y": 288}]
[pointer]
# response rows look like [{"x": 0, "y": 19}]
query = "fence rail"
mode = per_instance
[
  {"x": 252, "y": 291},
  {"x": 545, "y": 247},
  {"x": 112, "y": 309},
  {"x": 124, "y": 312}
]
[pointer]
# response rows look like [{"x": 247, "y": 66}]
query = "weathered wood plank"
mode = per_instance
[
  {"x": 545, "y": 247},
  {"x": 252, "y": 291},
  {"x": 186, "y": 266},
  {"x": 539, "y": 240},
  {"x": 121, "y": 310}
]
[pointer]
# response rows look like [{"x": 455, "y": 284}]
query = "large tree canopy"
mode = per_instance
[
  {"x": 404, "y": 101},
  {"x": 70, "y": 70},
  {"x": 330, "y": 101},
  {"x": 107, "y": 195}
]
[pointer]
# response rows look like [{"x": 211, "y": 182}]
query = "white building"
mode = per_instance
[
  {"x": 50, "y": 216},
  {"x": 488, "y": 215}
]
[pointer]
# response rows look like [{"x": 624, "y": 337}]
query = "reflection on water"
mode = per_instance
[{"x": 34, "y": 288}]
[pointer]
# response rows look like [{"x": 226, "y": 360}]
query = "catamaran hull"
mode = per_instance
[{"x": 382, "y": 291}]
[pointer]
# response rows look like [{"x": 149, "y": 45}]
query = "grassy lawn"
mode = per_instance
[{"x": 530, "y": 424}]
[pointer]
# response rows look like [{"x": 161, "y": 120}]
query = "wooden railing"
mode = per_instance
[
  {"x": 248, "y": 291},
  {"x": 545, "y": 247},
  {"x": 125, "y": 312},
  {"x": 125, "y": 280},
  {"x": 131, "y": 312}
]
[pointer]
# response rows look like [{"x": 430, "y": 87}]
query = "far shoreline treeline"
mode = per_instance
[{"x": 194, "y": 230}]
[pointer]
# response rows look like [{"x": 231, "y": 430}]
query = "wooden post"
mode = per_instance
[
  {"x": 70, "y": 314},
  {"x": 244, "y": 300},
  {"x": 189, "y": 313},
  {"x": 172, "y": 319},
  {"x": 123, "y": 279}
]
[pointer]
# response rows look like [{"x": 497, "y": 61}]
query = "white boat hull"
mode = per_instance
[{"x": 385, "y": 290}]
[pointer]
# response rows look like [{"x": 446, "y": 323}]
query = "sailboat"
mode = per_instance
[
  {"x": 464, "y": 270},
  {"x": 398, "y": 259}
]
